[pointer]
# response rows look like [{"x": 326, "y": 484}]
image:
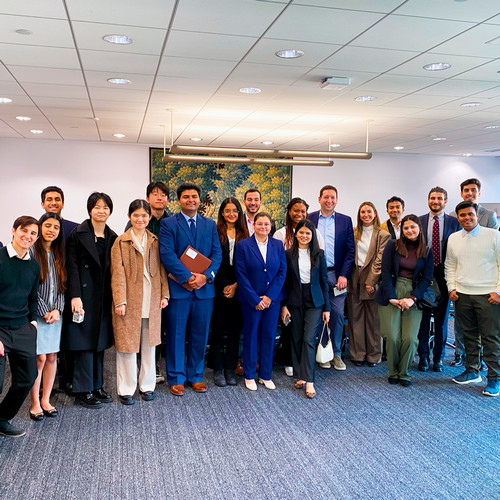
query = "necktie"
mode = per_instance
[
  {"x": 192, "y": 227},
  {"x": 435, "y": 241}
]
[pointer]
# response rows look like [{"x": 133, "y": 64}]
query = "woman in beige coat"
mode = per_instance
[
  {"x": 365, "y": 343},
  {"x": 140, "y": 292}
]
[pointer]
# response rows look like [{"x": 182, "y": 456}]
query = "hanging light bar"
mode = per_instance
[
  {"x": 247, "y": 161},
  {"x": 215, "y": 150},
  {"x": 325, "y": 154}
]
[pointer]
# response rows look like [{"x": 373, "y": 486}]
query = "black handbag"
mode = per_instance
[{"x": 431, "y": 298}]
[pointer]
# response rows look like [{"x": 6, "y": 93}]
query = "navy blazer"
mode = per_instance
[
  {"x": 175, "y": 236},
  {"x": 344, "y": 243},
  {"x": 67, "y": 227},
  {"x": 451, "y": 225},
  {"x": 256, "y": 278},
  {"x": 319, "y": 282},
  {"x": 391, "y": 259}
]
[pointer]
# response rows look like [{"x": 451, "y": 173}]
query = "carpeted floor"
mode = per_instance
[{"x": 359, "y": 438}]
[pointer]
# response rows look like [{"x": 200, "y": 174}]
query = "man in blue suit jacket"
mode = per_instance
[
  {"x": 338, "y": 234},
  {"x": 191, "y": 294},
  {"x": 437, "y": 227},
  {"x": 53, "y": 202}
]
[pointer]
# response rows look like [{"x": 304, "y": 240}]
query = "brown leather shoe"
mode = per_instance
[
  {"x": 199, "y": 387},
  {"x": 239, "y": 368},
  {"x": 177, "y": 390}
]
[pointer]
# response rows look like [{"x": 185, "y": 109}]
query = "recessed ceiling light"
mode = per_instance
[
  {"x": 467, "y": 154},
  {"x": 23, "y": 118},
  {"x": 437, "y": 66},
  {"x": 195, "y": 139},
  {"x": 96, "y": 118},
  {"x": 289, "y": 53},
  {"x": 118, "y": 81},
  {"x": 335, "y": 145},
  {"x": 365, "y": 98},
  {"x": 35, "y": 131},
  {"x": 119, "y": 39},
  {"x": 250, "y": 90},
  {"x": 267, "y": 143},
  {"x": 470, "y": 104},
  {"x": 439, "y": 138},
  {"x": 119, "y": 136},
  {"x": 489, "y": 127},
  {"x": 398, "y": 148},
  {"x": 5, "y": 100},
  {"x": 24, "y": 32}
]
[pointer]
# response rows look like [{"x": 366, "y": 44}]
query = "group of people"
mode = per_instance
[{"x": 72, "y": 290}]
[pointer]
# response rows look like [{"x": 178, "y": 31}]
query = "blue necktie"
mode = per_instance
[{"x": 192, "y": 227}]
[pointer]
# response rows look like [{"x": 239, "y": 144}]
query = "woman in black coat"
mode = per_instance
[
  {"x": 307, "y": 301},
  {"x": 227, "y": 319},
  {"x": 88, "y": 260}
]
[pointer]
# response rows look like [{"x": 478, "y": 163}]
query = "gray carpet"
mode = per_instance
[{"x": 359, "y": 438}]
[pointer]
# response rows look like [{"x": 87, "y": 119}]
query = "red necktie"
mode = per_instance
[{"x": 435, "y": 241}]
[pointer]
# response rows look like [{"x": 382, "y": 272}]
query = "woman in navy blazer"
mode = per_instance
[
  {"x": 260, "y": 266},
  {"x": 307, "y": 301},
  {"x": 406, "y": 273}
]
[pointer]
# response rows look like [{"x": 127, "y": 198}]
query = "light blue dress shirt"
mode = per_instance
[{"x": 326, "y": 226}]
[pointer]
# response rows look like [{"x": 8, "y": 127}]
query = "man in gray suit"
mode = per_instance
[{"x": 470, "y": 190}]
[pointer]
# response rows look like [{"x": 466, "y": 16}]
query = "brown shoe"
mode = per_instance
[
  {"x": 177, "y": 390},
  {"x": 199, "y": 387},
  {"x": 239, "y": 368}
]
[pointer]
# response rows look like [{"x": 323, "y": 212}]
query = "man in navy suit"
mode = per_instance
[
  {"x": 53, "y": 202},
  {"x": 338, "y": 234},
  {"x": 191, "y": 294},
  {"x": 437, "y": 227}
]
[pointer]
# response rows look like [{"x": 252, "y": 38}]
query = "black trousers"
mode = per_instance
[
  {"x": 227, "y": 322},
  {"x": 20, "y": 346},
  {"x": 88, "y": 370}
]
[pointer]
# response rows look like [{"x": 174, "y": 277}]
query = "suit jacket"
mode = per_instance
[
  {"x": 67, "y": 227},
  {"x": 369, "y": 274},
  {"x": 387, "y": 226},
  {"x": 254, "y": 276},
  {"x": 344, "y": 243},
  {"x": 485, "y": 217},
  {"x": 319, "y": 282},
  {"x": 391, "y": 259},
  {"x": 451, "y": 226},
  {"x": 175, "y": 236}
]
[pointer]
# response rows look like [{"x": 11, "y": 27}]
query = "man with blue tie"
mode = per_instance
[
  {"x": 437, "y": 228},
  {"x": 338, "y": 234},
  {"x": 191, "y": 294}
]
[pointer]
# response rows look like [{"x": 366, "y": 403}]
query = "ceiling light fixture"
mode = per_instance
[
  {"x": 119, "y": 136},
  {"x": 118, "y": 81},
  {"x": 23, "y": 118},
  {"x": 365, "y": 98},
  {"x": 246, "y": 160},
  {"x": 490, "y": 127},
  {"x": 439, "y": 66},
  {"x": 398, "y": 148},
  {"x": 335, "y": 145},
  {"x": 24, "y": 32},
  {"x": 5, "y": 100},
  {"x": 195, "y": 139},
  {"x": 289, "y": 53},
  {"x": 439, "y": 138},
  {"x": 119, "y": 39},
  {"x": 335, "y": 82},
  {"x": 250, "y": 90},
  {"x": 467, "y": 154},
  {"x": 35, "y": 131},
  {"x": 267, "y": 143},
  {"x": 470, "y": 104}
]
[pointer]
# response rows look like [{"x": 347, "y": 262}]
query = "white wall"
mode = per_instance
[{"x": 122, "y": 171}]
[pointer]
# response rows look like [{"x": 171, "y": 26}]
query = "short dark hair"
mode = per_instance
[
  {"x": 50, "y": 189},
  {"x": 157, "y": 185},
  {"x": 95, "y": 197},
  {"x": 473, "y": 180},
  {"x": 466, "y": 204},
  {"x": 395, "y": 199},
  {"x": 252, "y": 190},
  {"x": 438, "y": 189},
  {"x": 185, "y": 186},
  {"x": 136, "y": 204},
  {"x": 23, "y": 221},
  {"x": 259, "y": 215},
  {"x": 327, "y": 188}
]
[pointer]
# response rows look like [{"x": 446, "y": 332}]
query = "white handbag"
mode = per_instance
[{"x": 324, "y": 354}]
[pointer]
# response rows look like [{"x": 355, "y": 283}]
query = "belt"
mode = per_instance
[{"x": 331, "y": 268}]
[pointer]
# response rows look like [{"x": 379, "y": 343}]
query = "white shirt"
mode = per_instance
[
  {"x": 364, "y": 244},
  {"x": 280, "y": 234},
  {"x": 304, "y": 266},
  {"x": 232, "y": 241},
  {"x": 251, "y": 229},
  {"x": 12, "y": 253},
  {"x": 262, "y": 248},
  {"x": 397, "y": 230}
]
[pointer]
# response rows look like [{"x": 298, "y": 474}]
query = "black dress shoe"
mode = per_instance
[
  {"x": 393, "y": 380},
  {"x": 231, "y": 377},
  {"x": 88, "y": 400},
  {"x": 370, "y": 364},
  {"x": 147, "y": 395},
  {"x": 51, "y": 413},
  {"x": 126, "y": 400},
  {"x": 37, "y": 417},
  {"x": 405, "y": 383},
  {"x": 358, "y": 363},
  {"x": 102, "y": 395},
  {"x": 438, "y": 367},
  {"x": 219, "y": 378},
  {"x": 423, "y": 365}
]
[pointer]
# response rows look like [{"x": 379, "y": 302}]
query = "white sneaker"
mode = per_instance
[
  {"x": 289, "y": 370},
  {"x": 326, "y": 365},
  {"x": 338, "y": 364},
  {"x": 268, "y": 384},
  {"x": 250, "y": 385}
]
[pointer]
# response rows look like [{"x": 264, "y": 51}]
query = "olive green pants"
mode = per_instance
[{"x": 400, "y": 329}]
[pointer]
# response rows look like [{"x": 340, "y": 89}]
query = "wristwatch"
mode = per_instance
[{"x": 209, "y": 279}]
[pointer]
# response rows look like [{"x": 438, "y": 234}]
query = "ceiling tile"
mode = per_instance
[
  {"x": 62, "y": 91},
  {"x": 396, "y": 83},
  {"x": 96, "y": 60},
  {"x": 255, "y": 74},
  {"x": 34, "y": 9},
  {"x": 27, "y": 74},
  {"x": 45, "y": 57},
  {"x": 195, "y": 68},
  {"x": 369, "y": 5}
]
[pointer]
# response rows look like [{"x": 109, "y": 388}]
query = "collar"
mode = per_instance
[
  {"x": 321, "y": 216},
  {"x": 474, "y": 232},
  {"x": 12, "y": 253},
  {"x": 440, "y": 217},
  {"x": 194, "y": 217},
  {"x": 248, "y": 218},
  {"x": 260, "y": 243}
]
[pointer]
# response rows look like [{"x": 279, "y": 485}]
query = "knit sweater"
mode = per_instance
[
  {"x": 18, "y": 290},
  {"x": 472, "y": 263}
]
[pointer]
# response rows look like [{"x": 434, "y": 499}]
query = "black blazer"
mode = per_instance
[
  {"x": 319, "y": 282},
  {"x": 391, "y": 259},
  {"x": 226, "y": 275}
]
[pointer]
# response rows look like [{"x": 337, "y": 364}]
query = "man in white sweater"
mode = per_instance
[{"x": 472, "y": 271}]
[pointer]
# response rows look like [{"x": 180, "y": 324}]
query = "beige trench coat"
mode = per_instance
[{"x": 127, "y": 274}]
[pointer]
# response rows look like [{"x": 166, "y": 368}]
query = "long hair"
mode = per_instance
[
  {"x": 289, "y": 222},
  {"x": 239, "y": 225},
  {"x": 403, "y": 241},
  {"x": 57, "y": 247},
  {"x": 313, "y": 244},
  {"x": 358, "y": 230}
]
